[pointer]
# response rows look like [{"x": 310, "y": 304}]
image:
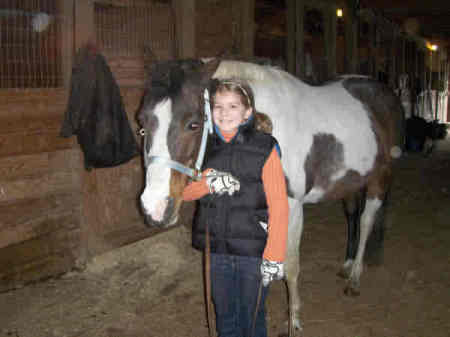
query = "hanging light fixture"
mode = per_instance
[
  {"x": 432, "y": 47},
  {"x": 339, "y": 12}
]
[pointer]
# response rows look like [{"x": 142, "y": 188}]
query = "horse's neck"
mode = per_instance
[{"x": 243, "y": 70}]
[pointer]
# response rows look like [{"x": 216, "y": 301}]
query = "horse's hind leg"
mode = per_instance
[
  {"x": 353, "y": 207},
  {"x": 373, "y": 213},
  {"x": 292, "y": 264}
]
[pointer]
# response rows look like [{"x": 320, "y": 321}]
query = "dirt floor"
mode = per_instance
[{"x": 153, "y": 288}]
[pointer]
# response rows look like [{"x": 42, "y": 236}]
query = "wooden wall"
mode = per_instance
[
  {"x": 224, "y": 27},
  {"x": 40, "y": 185},
  {"x": 54, "y": 215}
]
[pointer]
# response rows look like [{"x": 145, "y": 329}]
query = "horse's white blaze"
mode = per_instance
[
  {"x": 157, "y": 184},
  {"x": 309, "y": 112}
]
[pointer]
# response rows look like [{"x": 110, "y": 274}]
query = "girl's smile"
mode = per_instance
[{"x": 228, "y": 111}]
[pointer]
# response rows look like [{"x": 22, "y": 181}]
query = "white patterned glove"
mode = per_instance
[
  {"x": 271, "y": 271},
  {"x": 222, "y": 182}
]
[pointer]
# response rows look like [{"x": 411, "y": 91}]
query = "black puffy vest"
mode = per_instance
[{"x": 234, "y": 220}]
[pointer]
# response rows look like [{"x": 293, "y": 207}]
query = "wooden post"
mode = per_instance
[
  {"x": 248, "y": 28},
  {"x": 351, "y": 39},
  {"x": 236, "y": 35},
  {"x": 402, "y": 57},
  {"x": 91, "y": 221},
  {"x": 376, "y": 50},
  {"x": 300, "y": 38},
  {"x": 67, "y": 23},
  {"x": 290, "y": 36},
  {"x": 185, "y": 27},
  {"x": 84, "y": 23},
  {"x": 393, "y": 68},
  {"x": 330, "y": 23}
]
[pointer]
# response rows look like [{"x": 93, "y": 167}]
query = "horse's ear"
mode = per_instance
[
  {"x": 176, "y": 77},
  {"x": 210, "y": 68},
  {"x": 148, "y": 57}
]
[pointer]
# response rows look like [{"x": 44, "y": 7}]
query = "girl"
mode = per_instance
[{"x": 243, "y": 201}]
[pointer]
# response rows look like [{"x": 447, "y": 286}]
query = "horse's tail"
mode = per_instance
[
  {"x": 399, "y": 127},
  {"x": 396, "y": 152},
  {"x": 374, "y": 252}
]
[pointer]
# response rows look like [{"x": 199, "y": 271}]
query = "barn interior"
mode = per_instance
[{"x": 58, "y": 220}]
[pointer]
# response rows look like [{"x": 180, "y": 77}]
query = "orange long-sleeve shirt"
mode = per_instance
[{"x": 277, "y": 202}]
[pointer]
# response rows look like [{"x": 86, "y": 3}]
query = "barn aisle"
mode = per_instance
[{"x": 153, "y": 288}]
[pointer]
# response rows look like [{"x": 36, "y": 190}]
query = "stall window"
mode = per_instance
[{"x": 30, "y": 40}]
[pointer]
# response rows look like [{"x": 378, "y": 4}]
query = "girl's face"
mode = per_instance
[{"x": 228, "y": 111}]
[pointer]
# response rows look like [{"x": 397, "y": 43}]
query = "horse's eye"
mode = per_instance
[{"x": 193, "y": 126}]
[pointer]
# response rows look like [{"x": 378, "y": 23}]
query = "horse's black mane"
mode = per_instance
[
  {"x": 165, "y": 80},
  {"x": 166, "y": 77}
]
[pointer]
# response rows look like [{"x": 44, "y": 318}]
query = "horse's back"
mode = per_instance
[
  {"x": 324, "y": 131},
  {"x": 384, "y": 106}
]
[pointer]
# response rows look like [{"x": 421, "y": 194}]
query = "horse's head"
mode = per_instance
[{"x": 171, "y": 115}]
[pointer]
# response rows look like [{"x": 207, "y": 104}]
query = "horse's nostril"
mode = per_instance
[
  {"x": 162, "y": 215},
  {"x": 150, "y": 223},
  {"x": 170, "y": 204}
]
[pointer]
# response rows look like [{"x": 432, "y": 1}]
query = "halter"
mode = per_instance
[{"x": 194, "y": 173}]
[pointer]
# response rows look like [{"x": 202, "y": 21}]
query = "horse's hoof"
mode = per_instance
[
  {"x": 297, "y": 327},
  {"x": 350, "y": 290},
  {"x": 292, "y": 331},
  {"x": 346, "y": 269},
  {"x": 343, "y": 273}
]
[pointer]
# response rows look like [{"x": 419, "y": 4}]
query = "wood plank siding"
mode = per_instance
[{"x": 55, "y": 215}]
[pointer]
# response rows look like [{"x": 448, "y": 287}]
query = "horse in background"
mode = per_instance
[
  {"x": 421, "y": 136},
  {"x": 337, "y": 141}
]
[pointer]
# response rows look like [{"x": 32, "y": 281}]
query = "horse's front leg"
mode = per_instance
[{"x": 292, "y": 264}]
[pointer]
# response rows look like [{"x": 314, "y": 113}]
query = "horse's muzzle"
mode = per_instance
[
  {"x": 169, "y": 218},
  {"x": 150, "y": 223}
]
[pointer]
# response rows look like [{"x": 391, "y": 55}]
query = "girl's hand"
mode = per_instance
[
  {"x": 270, "y": 271},
  {"x": 222, "y": 182}
]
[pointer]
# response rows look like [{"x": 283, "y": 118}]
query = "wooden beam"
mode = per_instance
[
  {"x": 393, "y": 60},
  {"x": 90, "y": 218},
  {"x": 330, "y": 23},
  {"x": 300, "y": 38},
  {"x": 248, "y": 28},
  {"x": 185, "y": 27},
  {"x": 67, "y": 43},
  {"x": 291, "y": 36},
  {"x": 351, "y": 38},
  {"x": 84, "y": 23}
]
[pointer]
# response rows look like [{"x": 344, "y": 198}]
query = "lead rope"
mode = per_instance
[
  {"x": 258, "y": 303},
  {"x": 207, "y": 129},
  {"x": 209, "y": 304}
]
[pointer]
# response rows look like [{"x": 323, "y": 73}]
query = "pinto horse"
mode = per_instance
[{"x": 337, "y": 142}]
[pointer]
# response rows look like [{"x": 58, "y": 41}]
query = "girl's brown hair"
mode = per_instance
[{"x": 237, "y": 86}]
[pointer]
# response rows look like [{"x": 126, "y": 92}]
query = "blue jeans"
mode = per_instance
[{"x": 235, "y": 283}]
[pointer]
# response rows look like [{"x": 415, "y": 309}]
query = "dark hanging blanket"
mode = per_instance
[{"x": 95, "y": 113}]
